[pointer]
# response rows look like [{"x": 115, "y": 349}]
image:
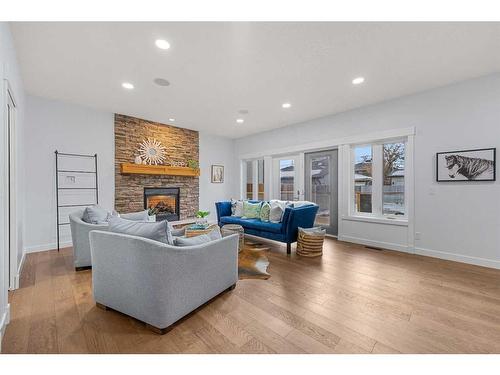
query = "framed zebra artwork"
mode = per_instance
[{"x": 466, "y": 165}]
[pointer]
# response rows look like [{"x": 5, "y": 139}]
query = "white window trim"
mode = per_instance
[{"x": 377, "y": 215}]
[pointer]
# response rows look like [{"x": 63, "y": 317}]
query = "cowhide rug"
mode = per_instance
[{"x": 253, "y": 262}]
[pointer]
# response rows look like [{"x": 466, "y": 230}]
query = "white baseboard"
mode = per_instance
[
  {"x": 45, "y": 247},
  {"x": 425, "y": 252},
  {"x": 381, "y": 244},
  {"x": 458, "y": 258},
  {"x": 19, "y": 270},
  {"x": 4, "y": 320}
]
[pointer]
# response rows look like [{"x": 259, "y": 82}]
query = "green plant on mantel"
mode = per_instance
[
  {"x": 192, "y": 164},
  {"x": 202, "y": 214},
  {"x": 152, "y": 211}
]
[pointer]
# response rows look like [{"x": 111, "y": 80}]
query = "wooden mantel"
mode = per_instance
[{"x": 130, "y": 168}]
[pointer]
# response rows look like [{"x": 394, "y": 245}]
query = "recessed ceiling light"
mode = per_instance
[
  {"x": 240, "y": 120},
  {"x": 286, "y": 105},
  {"x": 171, "y": 119},
  {"x": 162, "y": 44},
  {"x": 161, "y": 82},
  {"x": 358, "y": 80},
  {"x": 127, "y": 85}
]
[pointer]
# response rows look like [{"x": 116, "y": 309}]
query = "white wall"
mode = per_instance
[
  {"x": 53, "y": 125},
  {"x": 219, "y": 151},
  {"x": 9, "y": 70},
  {"x": 457, "y": 221}
]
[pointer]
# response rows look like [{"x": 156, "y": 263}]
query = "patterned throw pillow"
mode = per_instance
[
  {"x": 265, "y": 210},
  {"x": 251, "y": 210},
  {"x": 236, "y": 208}
]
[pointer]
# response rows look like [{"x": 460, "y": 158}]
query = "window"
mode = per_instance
[
  {"x": 249, "y": 184},
  {"x": 363, "y": 161},
  {"x": 379, "y": 179},
  {"x": 393, "y": 191}
]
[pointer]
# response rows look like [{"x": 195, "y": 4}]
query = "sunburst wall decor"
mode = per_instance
[{"x": 152, "y": 151}]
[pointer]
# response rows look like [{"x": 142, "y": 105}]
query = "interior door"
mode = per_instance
[
  {"x": 321, "y": 187},
  {"x": 12, "y": 251},
  {"x": 287, "y": 183}
]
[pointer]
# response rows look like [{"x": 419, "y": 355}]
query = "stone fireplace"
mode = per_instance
[
  {"x": 165, "y": 202},
  {"x": 180, "y": 145}
]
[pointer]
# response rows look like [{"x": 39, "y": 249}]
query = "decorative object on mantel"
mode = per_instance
[
  {"x": 253, "y": 262},
  {"x": 217, "y": 174},
  {"x": 129, "y": 168},
  {"x": 466, "y": 165},
  {"x": 192, "y": 164},
  {"x": 152, "y": 151},
  {"x": 177, "y": 163},
  {"x": 138, "y": 160}
]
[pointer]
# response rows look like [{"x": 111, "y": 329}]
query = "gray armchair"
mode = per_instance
[
  {"x": 159, "y": 283},
  {"x": 80, "y": 236}
]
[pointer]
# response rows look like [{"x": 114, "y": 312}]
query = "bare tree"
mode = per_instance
[{"x": 394, "y": 155}]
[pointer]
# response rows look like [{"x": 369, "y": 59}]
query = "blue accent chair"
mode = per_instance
[{"x": 285, "y": 232}]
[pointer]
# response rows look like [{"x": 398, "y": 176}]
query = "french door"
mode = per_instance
[{"x": 321, "y": 187}]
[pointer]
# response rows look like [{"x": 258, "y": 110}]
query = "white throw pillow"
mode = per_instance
[{"x": 277, "y": 210}]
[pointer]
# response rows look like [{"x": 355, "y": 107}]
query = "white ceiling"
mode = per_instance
[{"x": 216, "y": 69}]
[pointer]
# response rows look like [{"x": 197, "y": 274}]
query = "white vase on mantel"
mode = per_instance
[{"x": 138, "y": 160}]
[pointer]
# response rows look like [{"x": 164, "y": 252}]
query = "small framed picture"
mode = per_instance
[
  {"x": 217, "y": 174},
  {"x": 466, "y": 165}
]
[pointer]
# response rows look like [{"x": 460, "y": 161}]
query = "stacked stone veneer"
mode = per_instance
[{"x": 181, "y": 145}]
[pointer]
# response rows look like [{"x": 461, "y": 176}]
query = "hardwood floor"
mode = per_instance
[{"x": 352, "y": 300}]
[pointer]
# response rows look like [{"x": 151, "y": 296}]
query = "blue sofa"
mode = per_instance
[{"x": 286, "y": 231}]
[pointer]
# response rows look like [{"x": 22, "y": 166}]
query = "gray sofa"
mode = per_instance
[
  {"x": 80, "y": 237},
  {"x": 159, "y": 283}
]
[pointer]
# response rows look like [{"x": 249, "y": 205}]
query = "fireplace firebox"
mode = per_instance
[{"x": 165, "y": 201}]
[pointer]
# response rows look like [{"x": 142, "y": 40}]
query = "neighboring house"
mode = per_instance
[{"x": 396, "y": 178}]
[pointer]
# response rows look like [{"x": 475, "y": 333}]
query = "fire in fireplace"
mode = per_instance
[{"x": 165, "y": 201}]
